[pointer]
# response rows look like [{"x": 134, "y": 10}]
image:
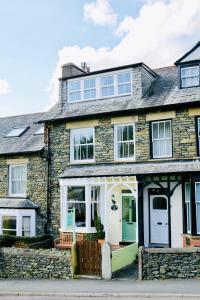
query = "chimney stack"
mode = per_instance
[
  {"x": 70, "y": 69},
  {"x": 85, "y": 67}
]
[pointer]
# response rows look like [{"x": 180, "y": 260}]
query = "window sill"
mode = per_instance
[
  {"x": 80, "y": 162},
  {"x": 79, "y": 230},
  {"x": 125, "y": 160},
  {"x": 17, "y": 196}
]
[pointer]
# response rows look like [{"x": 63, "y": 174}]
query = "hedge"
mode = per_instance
[{"x": 42, "y": 241}]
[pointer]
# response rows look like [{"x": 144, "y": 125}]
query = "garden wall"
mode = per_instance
[
  {"x": 30, "y": 263},
  {"x": 166, "y": 263}
]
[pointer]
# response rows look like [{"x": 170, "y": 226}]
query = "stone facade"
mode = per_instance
[
  {"x": 36, "y": 183},
  {"x": 40, "y": 264},
  {"x": 169, "y": 263},
  {"x": 184, "y": 147}
]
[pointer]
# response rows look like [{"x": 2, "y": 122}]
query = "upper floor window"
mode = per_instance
[
  {"x": 125, "y": 142},
  {"x": 74, "y": 88},
  {"x": 107, "y": 86},
  {"x": 89, "y": 89},
  {"x": 82, "y": 144},
  {"x": 161, "y": 139},
  {"x": 101, "y": 86},
  {"x": 190, "y": 76},
  {"x": 17, "y": 180}
]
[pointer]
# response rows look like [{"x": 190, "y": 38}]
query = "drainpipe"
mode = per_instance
[{"x": 48, "y": 229}]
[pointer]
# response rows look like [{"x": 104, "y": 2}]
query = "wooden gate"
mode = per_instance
[{"x": 88, "y": 258}]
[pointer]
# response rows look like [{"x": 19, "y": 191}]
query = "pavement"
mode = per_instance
[{"x": 90, "y": 288}]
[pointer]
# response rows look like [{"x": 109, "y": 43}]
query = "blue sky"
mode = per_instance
[{"x": 38, "y": 36}]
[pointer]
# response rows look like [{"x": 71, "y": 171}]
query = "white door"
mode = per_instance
[{"x": 158, "y": 220}]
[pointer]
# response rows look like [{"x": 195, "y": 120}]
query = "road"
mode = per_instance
[{"x": 94, "y": 298}]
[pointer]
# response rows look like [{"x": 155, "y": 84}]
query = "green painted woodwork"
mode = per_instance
[
  {"x": 128, "y": 219},
  {"x": 124, "y": 257},
  {"x": 70, "y": 218}
]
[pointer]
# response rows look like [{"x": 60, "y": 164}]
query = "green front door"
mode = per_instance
[{"x": 128, "y": 219}]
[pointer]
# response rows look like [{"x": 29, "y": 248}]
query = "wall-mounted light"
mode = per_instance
[{"x": 114, "y": 206}]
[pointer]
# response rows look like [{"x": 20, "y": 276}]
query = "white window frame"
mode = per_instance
[
  {"x": 197, "y": 202},
  {"x": 83, "y": 89},
  {"x": 188, "y": 209},
  {"x": 82, "y": 161},
  {"x": 75, "y": 91},
  {"x": 10, "y": 181},
  {"x": 189, "y": 77},
  {"x": 19, "y": 214},
  {"x": 116, "y": 143},
  {"x": 88, "y": 201},
  {"x": 99, "y": 86},
  {"x": 152, "y": 139}
]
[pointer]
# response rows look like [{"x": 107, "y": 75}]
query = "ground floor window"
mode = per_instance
[
  {"x": 9, "y": 225},
  {"x": 17, "y": 222},
  {"x": 85, "y": 202},
  {"x": 188, "y": 206}
]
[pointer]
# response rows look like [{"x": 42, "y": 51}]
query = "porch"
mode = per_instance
[{"x": 112, "y": 199}]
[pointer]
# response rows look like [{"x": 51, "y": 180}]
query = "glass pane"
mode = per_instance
[
  {"x": 107, "y": 91},
  {"x": 126, "y": 209},
  {"x": 155, "y": 131},
  {"x": 123, "y": 77},
  {"x": 90, "y": 152},
  {"x": 130, "y": 133},
  {"x": 156, "y": 148},
  {"x": 95, "y": 212},
  {"x": 119, "y": 133},
  {"x": 131, "y": 150},
  {"x": 194, "y": 71},
  {"x": 83, "y": 152},
  {"x": 161, "y": 130},
  {"x": 79, "y": 213},
  {"x": 9, "y": 225},
  {"x": 159, "y": 203},
  {"x": 107, "y": 80},
  {"x": 194, "y": 81},
  {"x": 26, "y": 226},
  {"x": 74, "y": 86},
  {"x": 9, "y": 232},
  {"x": 76, "y": 193},
  {"x": 197, "y": 192},
  {"x": 198, "y": 217},
  {"x": 167, "y": 129},
  {"x": 133, "y": 210},
  {"x": 89, "y": 83},
  {"x": 90, "y": 94},
  {"x": 75, "y": 96},
  {"x": 89, "y": 135},
  {"x": 187, "y": 192},
  {"x": 199, "y": 127},
  {"x": 125, "y": 133}
]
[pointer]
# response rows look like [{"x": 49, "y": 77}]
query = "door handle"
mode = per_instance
[{"x": 159, "y": 223}]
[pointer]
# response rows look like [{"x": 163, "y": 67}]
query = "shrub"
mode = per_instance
[{"x": 9, "y": 240}]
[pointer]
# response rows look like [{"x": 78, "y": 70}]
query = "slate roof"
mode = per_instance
[
  {"x": 164, "y": 92},
  {"x": 17, "y": 203},
  {"x": 27, "y": 142},
  {"x": 130, "y": 169}
]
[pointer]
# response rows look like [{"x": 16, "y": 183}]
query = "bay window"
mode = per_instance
[
  {"x": 82, "y": 144},
  {"x": 161, "y": 139},
  {"x": 83, "y": 201},
  {"x": 124, "y": 141},
  {"x": 197, "y": 201},
  {"x": 190, "y": 76},
  {"x": 17, "y": 180},
  {"x": 188, "y": 206},
  {"x": 9, "y": 225}
]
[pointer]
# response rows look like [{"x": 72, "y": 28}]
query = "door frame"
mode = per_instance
[
  {"x": 150, "y": 193},
  {"x": 136, "y": 207}
]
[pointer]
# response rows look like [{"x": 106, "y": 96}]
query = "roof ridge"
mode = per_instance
[
  {"x": 22, "y": 115},
  {"x": 166, "y": 67}
]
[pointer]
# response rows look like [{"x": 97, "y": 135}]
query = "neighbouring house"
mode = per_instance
[
  {"x": 23, "y": 176},
  {"x": 124, "y": 146}
]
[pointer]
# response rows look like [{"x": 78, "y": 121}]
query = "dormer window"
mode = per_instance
[
  {"x": 106, "y": 85},
  {"x": 190, "y": 76}
]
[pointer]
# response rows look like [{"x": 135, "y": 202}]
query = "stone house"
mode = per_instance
[
  {"x": 124, "y": 146},
  {"x": 23, "y": 176}
]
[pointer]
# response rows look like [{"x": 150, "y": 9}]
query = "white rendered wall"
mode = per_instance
[{"x": 176, "y": 216}]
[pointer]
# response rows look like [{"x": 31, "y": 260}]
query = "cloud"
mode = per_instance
[
  {"x": 161, "y": 33},
  {"x": 4, "y": 86},
  {"x": 100, "y": 12}
]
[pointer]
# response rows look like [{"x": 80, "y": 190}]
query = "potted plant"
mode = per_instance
[{"x": 100, "y": 230}]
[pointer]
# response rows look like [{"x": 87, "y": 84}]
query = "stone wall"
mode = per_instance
[
  {"x": 36, "y": 183},
  {"x": 29, "y": 263},
  {"x": 184, "y": 147},
  {"x": 169, "y": 263}
]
